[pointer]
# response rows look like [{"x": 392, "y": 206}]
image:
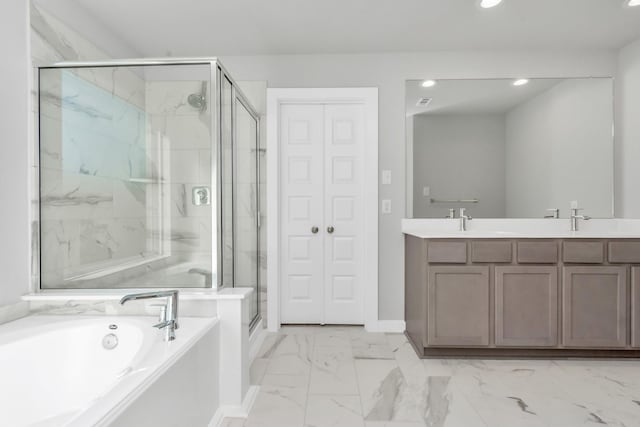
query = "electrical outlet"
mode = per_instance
[
  {"x": 386, "y": 177},
  {"x": 426, "y": 191},
  {"x": 386, "y": 206}
]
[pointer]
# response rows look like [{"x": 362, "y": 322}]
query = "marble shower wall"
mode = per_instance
[
  {"x": 186, "y": 150},
  {"x": 53, "y": 41},
  {"x": 92, "y": 143}
]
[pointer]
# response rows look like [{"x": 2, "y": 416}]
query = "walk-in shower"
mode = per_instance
[{"x": 148, "y": 177}]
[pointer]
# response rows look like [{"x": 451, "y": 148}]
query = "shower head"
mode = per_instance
[{"x": 199, "y": 100}]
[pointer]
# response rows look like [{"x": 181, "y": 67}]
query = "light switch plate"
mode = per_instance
[
  {"x": 426, "y": 191},
  {"x": 386, "y": 177},
  {"x": 386, "y": 206}
]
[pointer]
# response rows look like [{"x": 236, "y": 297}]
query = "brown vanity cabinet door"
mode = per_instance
[
  {"x": 458, "y": 306},
  {"x": 635, "y": 307},
  {"x": 526, "y": 306},
  {"x": 595, "y": 311}
]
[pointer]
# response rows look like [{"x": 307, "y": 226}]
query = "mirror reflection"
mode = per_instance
[{"x": 510, "y": 148}]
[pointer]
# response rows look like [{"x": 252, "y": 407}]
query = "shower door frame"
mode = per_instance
[{"x": 217, "y": 72}]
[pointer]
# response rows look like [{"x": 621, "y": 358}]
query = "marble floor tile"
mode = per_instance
[
  {"x": 332, "y": 338},
  {"x": 292, "y": 356},
  {"x": 333, "y": 372},
  {"x": 278, "y": 407},
  {"x": 257, "y": 370},
  {"x": 233, "y": 422},
  {"x": 344, "y": 376},
  {"x": 333, "y": 411},
  {"x": 293, "y": 382}
]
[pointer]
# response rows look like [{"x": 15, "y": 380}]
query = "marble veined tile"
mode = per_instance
[
  {"x": 334, "y": 411},
  {"x": 292, "y": 356},
  {"x": 333, "y": 338},
  {"x": 333, "y": 372},
  {"x": 278, "y": 406},
  {"x": 257, "y": 370},
  {"x": 233, "y": 422}
]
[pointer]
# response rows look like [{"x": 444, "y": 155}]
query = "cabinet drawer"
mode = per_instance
[
  {"x": 447, "y": 252},
  {"x": 583, "y": 252},
  {"x": 537, "y": 252},
  {"x": 624, "y": 252},
  {"x": 491, "y": 251}
]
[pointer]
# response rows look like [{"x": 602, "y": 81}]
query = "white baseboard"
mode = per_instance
[
  {"x": 388, "y": 326},
  {"x": 256, "y": 340},
  {"x": 236, "y": 411}
]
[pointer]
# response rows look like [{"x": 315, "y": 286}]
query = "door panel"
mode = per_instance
[
  {"x": 635, "y": 307},
  {"x": 595, "y": 307},
  {"x": 526, "y": 306},
  {"x": 344, "y": 147},
  {"x": 458, "y": 306},
  {"x": 301, "y": 175}
]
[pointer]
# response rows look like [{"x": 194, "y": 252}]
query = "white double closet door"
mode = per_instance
[{"x": 321, "y": 187}]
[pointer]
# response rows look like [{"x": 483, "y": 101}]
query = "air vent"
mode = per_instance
[{"x": 423, "y": 102}]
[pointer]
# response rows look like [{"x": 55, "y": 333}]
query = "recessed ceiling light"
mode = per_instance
[
  {"x": 633, "y": 3},
  {"x": 491, "y": 3},
  {"x": 428, "y": 83},
  {"x": 521, "y": 82}
]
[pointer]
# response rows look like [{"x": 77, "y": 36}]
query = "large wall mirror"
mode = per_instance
[{"x": 510, "y": 148}]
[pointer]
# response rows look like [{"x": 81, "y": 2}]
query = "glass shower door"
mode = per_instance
[{"x": 246, "y": 203}]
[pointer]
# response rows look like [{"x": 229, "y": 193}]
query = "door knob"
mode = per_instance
[
  {"x": 314, "y": 230},
  {"x": 330, "y": 230}
]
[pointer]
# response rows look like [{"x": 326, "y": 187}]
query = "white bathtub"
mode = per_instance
[{"x": 55, "y": 371}]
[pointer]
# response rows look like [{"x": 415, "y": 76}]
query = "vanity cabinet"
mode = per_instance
[{"x": 523, "y": 297}]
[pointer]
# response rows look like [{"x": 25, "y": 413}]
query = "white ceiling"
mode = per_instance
[
  {"x": 487, "y": 96},
  {"x": 243, "y": 27}
]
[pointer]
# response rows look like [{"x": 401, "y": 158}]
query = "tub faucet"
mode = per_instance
[
  {"x": 169, "y": 314},
  {"x": 575, "y": 217},
  {"x": 463, "y": 219},
  {"x": 208, "y": 276}
]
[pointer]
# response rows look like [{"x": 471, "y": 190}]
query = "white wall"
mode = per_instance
[
  {"x": 389, "y": 72},
  {"x": 14, "y": 154},
  {"x": 459, "y": 157},
  {"x": 628, "y": 132},
  {"x": 559, "y": 149}
]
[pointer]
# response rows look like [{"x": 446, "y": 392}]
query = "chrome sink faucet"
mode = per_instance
[
  {"x": 463, "y": 219},
  {"x": 168, "y": 314},
  {"x": 554, "y": 213},
  {"x": 575, "y": 217},
  {"x": 452, "y": 213}
]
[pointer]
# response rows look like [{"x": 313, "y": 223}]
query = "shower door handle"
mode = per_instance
[{"x": 314, "y": 230}]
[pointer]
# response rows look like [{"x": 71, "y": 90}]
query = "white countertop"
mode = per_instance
[
  {"x": 522, "y": 229},
  {"x": 117, "y": 294}
]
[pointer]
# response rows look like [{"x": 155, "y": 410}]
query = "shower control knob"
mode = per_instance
[
  {"x": 314, "y": 230},
  {"x": 330, "y": 229}
]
